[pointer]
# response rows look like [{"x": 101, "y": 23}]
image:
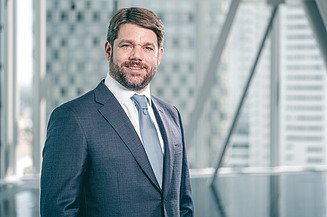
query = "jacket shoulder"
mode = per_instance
[
  {"x": 168, "y": 109},
  {"x": 79, "y": 102},
  {"x": 93, "y": 97},
  {"x": 164, "y": 105}
]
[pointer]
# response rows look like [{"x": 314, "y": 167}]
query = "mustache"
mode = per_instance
[{"x": 133, "y": 63}]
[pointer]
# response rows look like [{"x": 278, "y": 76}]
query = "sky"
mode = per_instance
[{"x": 24, "y": 46}]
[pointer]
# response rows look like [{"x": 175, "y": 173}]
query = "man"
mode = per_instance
[{"x": 117, "y": 150}]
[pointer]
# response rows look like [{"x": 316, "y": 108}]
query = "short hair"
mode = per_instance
[{"x": 138, "y": 16}]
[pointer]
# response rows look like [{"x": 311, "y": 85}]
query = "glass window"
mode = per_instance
[{"x": 256, "y": 111}]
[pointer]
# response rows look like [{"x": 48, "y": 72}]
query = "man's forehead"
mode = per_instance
[{"x": 133, "y": 32}]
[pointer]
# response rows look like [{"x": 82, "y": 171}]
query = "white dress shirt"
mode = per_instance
[{"x": 123, "y": 96}]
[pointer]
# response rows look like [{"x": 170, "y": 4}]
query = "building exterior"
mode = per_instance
[
  {"x": 75, "y": 36},
  {"x": 303, "y": 88}
]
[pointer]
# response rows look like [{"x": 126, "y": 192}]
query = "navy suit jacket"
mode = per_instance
[{"x": 94, "y": 164}]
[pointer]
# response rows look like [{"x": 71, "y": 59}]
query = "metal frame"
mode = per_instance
[
  {"x": 39, "y": 83},
  {"x": 274, "y": 120},
  {"x": 322, "y": 7},
  {"x": 2, "y": 54},
  {"x": 317, "y": 24}
]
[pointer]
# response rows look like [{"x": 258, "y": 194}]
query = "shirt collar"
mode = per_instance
[{"x": 121, "y": 93}]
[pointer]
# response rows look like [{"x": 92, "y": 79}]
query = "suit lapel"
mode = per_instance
[
  {"x": 112, "y": 111},
  {"x": 164, "y": 124}
]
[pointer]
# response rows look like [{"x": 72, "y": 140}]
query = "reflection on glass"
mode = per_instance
[{"x": 301, "y": 194}]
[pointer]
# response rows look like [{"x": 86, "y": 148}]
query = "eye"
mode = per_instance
[
  {"x": 125, "y": 46},
  {"x": 148, "y": 48}
]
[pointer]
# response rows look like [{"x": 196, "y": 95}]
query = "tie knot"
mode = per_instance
[{"x": 140, "y": 102}]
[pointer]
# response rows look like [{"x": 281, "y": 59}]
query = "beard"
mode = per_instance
[{"x": 128, "y": 80}]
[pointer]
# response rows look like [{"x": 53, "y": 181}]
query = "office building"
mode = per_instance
[{"x": 303, "y": 91}]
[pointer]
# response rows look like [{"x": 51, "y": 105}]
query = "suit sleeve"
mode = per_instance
[
  {"x": 63, "y": 166},
  {"x": 186, "y": 202}
]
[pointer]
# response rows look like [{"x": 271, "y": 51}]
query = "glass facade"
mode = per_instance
[{"x": 249, "y": 78}]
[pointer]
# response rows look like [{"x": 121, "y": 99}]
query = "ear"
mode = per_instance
[
  {"x": 108, "y": 50},
  {"x": 160, "y": 54}
]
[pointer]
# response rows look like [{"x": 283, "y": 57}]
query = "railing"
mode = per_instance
[{"x": 246, "y": 192}]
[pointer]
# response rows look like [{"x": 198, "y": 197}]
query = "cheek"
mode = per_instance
[
  {"x": 153, "y": 60},
  {"x": 119, "y": 59}
]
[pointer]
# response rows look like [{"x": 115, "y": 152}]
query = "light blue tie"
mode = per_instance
[{"x": 149, "y": 137}]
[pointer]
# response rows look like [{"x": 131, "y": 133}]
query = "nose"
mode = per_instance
[{"x": 136, "y": 53}]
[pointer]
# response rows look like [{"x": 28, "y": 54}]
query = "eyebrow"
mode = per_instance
[{"x": 133, "y": 42}]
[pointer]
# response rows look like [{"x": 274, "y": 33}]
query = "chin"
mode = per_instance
[{"x": 136, "y": 81}]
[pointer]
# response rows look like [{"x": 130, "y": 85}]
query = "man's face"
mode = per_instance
[{"x": 134, "y": 56}]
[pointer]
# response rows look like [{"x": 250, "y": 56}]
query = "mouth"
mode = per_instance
[{"x": 135, "y": 66}]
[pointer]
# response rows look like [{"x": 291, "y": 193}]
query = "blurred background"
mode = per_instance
[{"x": 249, "y": 77}]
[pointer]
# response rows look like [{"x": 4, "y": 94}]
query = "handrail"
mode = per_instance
[{"x": 224, "y": 171}]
